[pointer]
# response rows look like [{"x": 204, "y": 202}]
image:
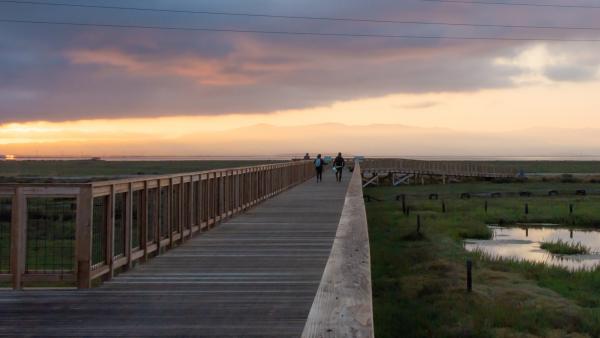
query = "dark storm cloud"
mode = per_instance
[{"x": 66, "y": 73}]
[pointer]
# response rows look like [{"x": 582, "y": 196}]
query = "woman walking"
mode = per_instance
[{"x": 319, "y": 163}]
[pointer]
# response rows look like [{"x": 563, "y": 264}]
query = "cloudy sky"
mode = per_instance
[{"x": 139, "y": 88}]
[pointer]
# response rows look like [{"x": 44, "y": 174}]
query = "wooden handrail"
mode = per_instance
[
  {"x": 448, "y": 168},
  {"x": 343, "y": 304},
  {"x": 194, "y": 202}
]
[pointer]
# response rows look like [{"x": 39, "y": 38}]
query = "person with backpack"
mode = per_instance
[
  {"x": 338, "y": 166},
  {"x": 319, "y": 164}
]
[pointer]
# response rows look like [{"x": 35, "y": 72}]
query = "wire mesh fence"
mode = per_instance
[
  {"x": 99, "y": 227},
  {"x": 5, "y": 222},
  {"x": 152, "y": 214},
  {"x": 204, "y": 210},
  {"x": 175, "y": 210},
  {"x": 50, "y": 244},
  {"x": 218, "y": 196},
  {"x": 119, "y": 224},
  {"x": 196, "y": 214},
  {"x": 136, "y": 219},
  {"x": 164, "y": 212},
  {"x": 187, "y": 215}
]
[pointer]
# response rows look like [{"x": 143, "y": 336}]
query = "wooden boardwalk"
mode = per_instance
[{"x": 255, "y": 275}]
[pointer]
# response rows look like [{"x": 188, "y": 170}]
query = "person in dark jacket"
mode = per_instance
[
  {"x": 319, "y": 164},
  {"x": 338, "y": 166}
]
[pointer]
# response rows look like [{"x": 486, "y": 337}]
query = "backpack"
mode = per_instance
[{"x": 318, "y": 162}]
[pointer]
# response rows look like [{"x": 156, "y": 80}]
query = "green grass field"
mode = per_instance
[
  {"x": 11, "y": 171},
  {"x": 419, "y": 281}
]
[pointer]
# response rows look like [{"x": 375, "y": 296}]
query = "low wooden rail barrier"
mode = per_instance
[
  {"x": 447, "y": 168},
  {"x": 80, "y": 232},
  {"x": 343, "y": 304}
]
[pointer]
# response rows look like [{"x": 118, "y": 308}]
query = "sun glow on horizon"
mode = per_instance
[{"x": 556, "y": 105}]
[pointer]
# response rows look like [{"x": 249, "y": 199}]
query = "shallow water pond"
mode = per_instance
[{"x": 524, "y": 243}]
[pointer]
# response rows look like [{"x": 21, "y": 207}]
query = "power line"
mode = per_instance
[
  {"x": 525, "y": 4},
  {"x": 297, "y": 17},
  {"x": 250, "y": 31}
]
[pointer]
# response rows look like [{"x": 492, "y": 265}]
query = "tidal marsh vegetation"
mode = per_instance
[
  {"x": 21, "y": 171},
  {"x": 561, "y": 247},
  {"x": 419, "y": 280}
]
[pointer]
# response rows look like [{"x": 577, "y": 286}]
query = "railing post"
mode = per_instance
[
  {"x": 212, "y": 198},
  {"x": 83, "y": 237},
  {"x": 18, "y": 237},
  {"x": 129, "y": 224},
  {"x": 192, "y": 206},
  {"x": 159, "y": 212},
  {"x": 170, "y": 224},
  {"x": 110, "y": 233},
  {"x": 180, "y": 208},
  {"x": 144, "y": 222}
]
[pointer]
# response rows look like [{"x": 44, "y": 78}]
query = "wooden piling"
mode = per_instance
[{"x": 469, "y": 275}]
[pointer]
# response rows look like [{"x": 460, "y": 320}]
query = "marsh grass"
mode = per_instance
[
  {"x": 419, "y": 284},
  {"x": 561, "y": 247},
  {"x": 22, "y": 171}
]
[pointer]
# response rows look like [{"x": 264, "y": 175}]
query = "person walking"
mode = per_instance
[
  {"x": 319, "y": 164},
  {"x": 338, "y": 166}
]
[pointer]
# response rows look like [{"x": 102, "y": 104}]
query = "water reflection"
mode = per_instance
[{"x": 524, "y": 243}]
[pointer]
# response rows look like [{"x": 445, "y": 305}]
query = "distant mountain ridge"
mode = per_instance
[{"x": 375, "y": 140}]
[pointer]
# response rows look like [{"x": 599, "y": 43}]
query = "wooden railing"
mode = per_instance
[
  {"x": 77, "y": 233},
  {"x": 448, "y": 168},
  {"x": 343, "y": 304}
]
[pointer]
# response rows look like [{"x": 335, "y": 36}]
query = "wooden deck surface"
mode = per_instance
[{"x": 255, "y": 275}]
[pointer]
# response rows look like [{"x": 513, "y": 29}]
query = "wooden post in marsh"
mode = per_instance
[{"x": 469, "y": 275}]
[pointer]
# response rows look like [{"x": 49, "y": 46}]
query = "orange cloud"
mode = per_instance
[
  {"x": 202, "y": 70},
  {"x": 245, "y": 66}
]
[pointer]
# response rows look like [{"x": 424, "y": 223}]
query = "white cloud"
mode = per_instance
[{"x": 541, "y": 64}]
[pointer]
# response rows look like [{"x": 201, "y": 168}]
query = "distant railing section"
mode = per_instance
[
  {"x": 76, "y": 233},
  {"x": 447, "y": 168}
]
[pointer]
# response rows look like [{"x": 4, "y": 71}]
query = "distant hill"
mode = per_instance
[{"x": 374, "y": 140}]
